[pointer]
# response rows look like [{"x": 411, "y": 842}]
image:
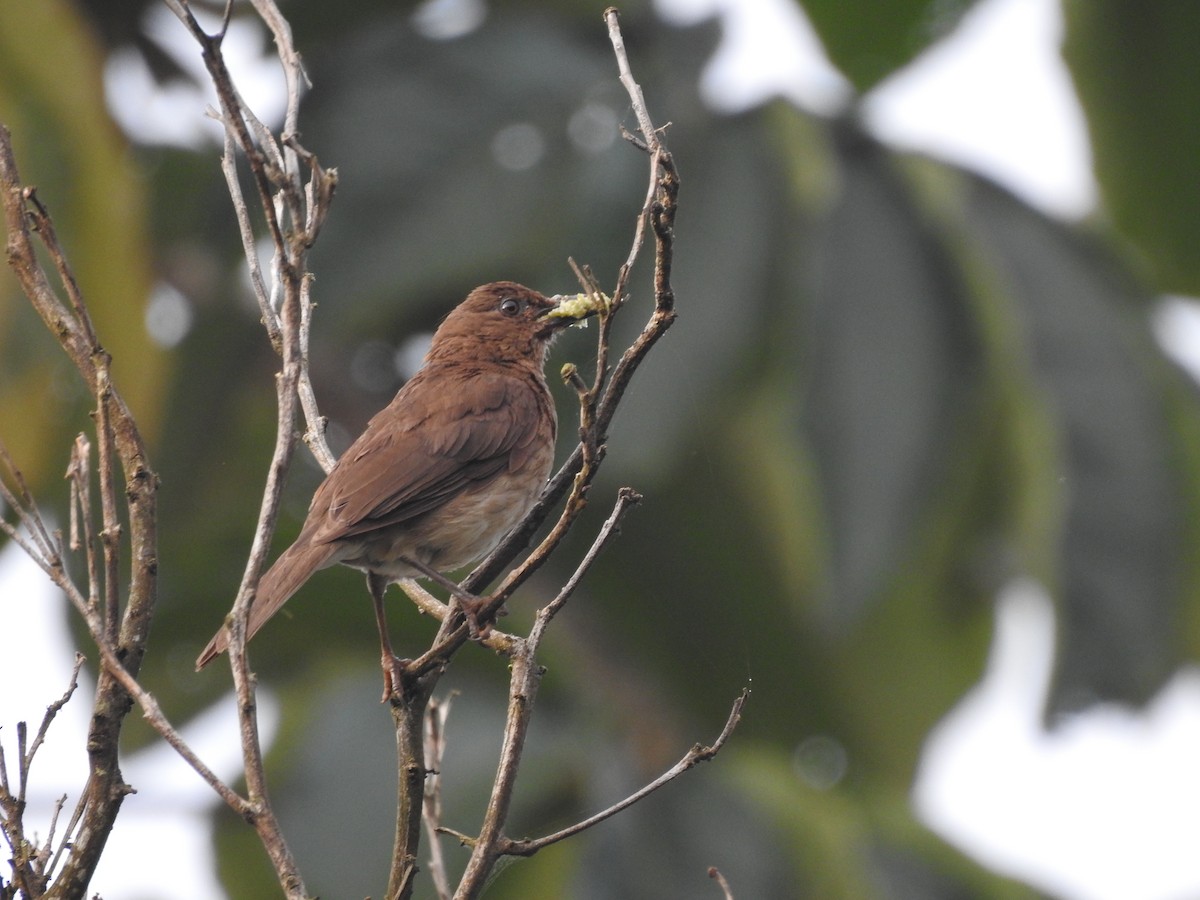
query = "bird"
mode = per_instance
[{"x": 443, "y": 472}]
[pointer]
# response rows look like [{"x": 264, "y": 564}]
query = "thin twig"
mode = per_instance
[
  {"x": 314, "y": 434},
  {"x": 435, "y": 750},
  {"x": 693, "y": 757},
  {"x": 118, "y": 434},
  {"x": 110, "y": 524},
  {"x": 39, "y": 544},
  {"x": 611, "y": 16},
  {"x": 48, "y": 845},
  {"x": 292, "y": 214},
  {"x": 49, "y": 238},
  {"x": 627, "y": 498},
  {"x": 236, "y": 116},
  {"x": 53, "y": 709},
  {"x": 714, "y": 873},
  {"x": 79, "y": 474},
  {"x": 526, "y": 674},
  {"x": 494, "y": 639},
  {"x": 270, "y": 318}
]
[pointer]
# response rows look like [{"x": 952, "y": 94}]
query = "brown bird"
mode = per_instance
[{"x": 446, "y": 469}]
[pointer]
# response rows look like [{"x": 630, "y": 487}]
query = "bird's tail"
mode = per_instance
[{"x": 294, "y": 567}]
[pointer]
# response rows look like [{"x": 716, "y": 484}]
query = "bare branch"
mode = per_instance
[
  {"x": 292, "y": 215},
  {"x": 49, "y": 863},
  {"x": 23, "y": 259},
  {"x": 30, "y": 864},
  {"x": 693, "y": 757},
  {"x": 490, "y": 844},
  {"x": 408, "y": 716},
  {"x": 53, "y": 708},
  {"x": 110, "y": 531},
  {"x": 627, "y": 498},
  {"x": 314, "y": 435},
  {"x": 37, "y": 543},
  {"x": 293, "y": 68},
  {"x": 435, "y": 750},
  {"x": 526, "y": 674},
  {"x": 119, "y": 438},
  {"x": 611, "y": 16},
  {"x": 270, "y": 318},
  {"x": 49, "y": 238}
]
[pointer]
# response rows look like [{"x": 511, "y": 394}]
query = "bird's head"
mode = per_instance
[{"x": 506, "y": 321}]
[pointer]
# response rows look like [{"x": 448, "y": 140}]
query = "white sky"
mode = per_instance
[
  {"x": 170, "y": 810},
  {"x": 1102, "y": 808}
]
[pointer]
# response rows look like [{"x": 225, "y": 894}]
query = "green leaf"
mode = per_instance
[
  {"x": 1083, "y": 335},
  {"x": 1134, "y": 66},
  {"x": 869, "y": 40},
  {"x": 889, "y": 361}
]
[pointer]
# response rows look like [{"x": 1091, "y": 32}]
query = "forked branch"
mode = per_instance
[{"x": 121, "y": 630}]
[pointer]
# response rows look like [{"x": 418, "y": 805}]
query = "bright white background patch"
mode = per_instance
[{"x": 161, "y": 845}]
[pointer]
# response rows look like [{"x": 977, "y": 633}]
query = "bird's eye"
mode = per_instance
[{"x": 510, "y": 306}]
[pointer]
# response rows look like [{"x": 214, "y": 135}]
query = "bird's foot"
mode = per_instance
[
  {"x": 393, "y": 676},
  {"x": 471, "y": 607},
  {"x": 470, "y": 604}
]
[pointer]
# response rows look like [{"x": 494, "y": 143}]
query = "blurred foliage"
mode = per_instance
[
  {"x": 54, "y": 107},
  {"x": 868, "y": 41},
  {"x": 1145, "y": 131},
  {"x": 893, "y": 387}
]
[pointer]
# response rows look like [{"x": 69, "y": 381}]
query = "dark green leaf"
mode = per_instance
[
  {"x": 869, "y": 40},
  {"x": 1134, "y": 66},
  {"x": 889, "y": 362},
  {"x": 1081, "y": 323}
]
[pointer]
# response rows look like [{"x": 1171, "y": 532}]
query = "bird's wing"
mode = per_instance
[{"x": 427, "y": 446}]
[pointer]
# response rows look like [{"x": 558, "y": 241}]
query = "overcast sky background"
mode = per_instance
[{"x": 1105, "y": 807}]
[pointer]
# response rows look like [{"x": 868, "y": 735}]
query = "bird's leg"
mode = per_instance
[
  {"x": 469, "y": 603},
  {"x": 392, "y": 665}
]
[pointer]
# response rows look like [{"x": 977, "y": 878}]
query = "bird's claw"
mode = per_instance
[
  {"x": 471, "y": 608},
  {"x": 393, "y": 676}
]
